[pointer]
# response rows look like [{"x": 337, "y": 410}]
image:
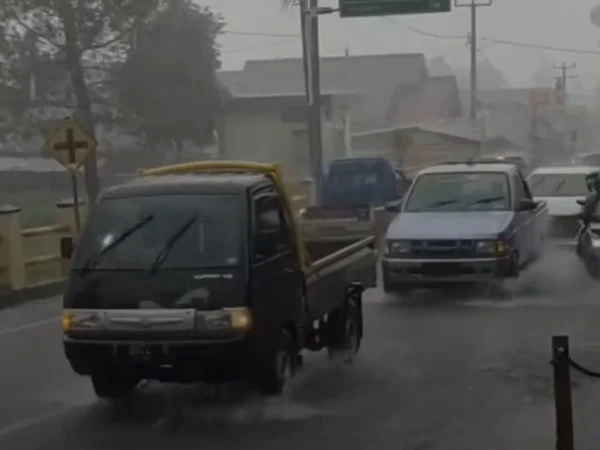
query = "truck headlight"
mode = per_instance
[
  {"x": 398, "y": 247},
  {"x": 494, "y": 248}
]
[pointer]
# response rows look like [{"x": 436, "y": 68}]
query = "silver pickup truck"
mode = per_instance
[{"x": 463, "y": 223}]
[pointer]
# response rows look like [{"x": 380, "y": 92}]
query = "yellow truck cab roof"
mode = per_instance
[{"x": 217, "y": 183}]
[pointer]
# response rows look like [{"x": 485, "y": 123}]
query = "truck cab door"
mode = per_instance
[
  {"x": 276, "y": 277},
  {"x": 527, "y": 239}
]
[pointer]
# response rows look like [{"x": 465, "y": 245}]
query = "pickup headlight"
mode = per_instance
[
  {"x": 492, "y": 248},
  {"x": 398, "y": 247}
]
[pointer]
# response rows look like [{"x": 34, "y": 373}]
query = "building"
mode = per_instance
[
  {"x": 419, "y": 145},
  {"x": 361, "y": 93},
  {"x": 273, "y": 127}
]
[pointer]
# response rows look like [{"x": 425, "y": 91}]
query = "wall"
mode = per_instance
[
  {"x": 264, "y": 136},
  {"x": 421, "y": 149},
  {"x": 380, "y": 144}
]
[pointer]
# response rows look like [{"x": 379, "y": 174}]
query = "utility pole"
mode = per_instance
[
  {"x": 473, "y": 5},
  {"x": 309, "y": 22},
  {"x": 563, "y": 77}
]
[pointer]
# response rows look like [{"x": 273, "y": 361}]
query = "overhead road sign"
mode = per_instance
[{"x": 366, "y": 8}]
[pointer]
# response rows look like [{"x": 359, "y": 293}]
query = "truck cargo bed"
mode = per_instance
[{"x": 336, "y": 265}]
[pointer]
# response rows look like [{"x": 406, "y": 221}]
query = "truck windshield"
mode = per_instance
[
  {"x": 558, "y": 185},
  {"x": 459, "y": 191},
  {"x": 212, "y": 239},
  {"x": 358, "y": 175}
]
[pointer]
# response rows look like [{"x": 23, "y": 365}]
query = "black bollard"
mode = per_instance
[{"x": 563, "y": 404}]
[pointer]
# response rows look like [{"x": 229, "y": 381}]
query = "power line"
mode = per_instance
[
  {"x": 543, "y": 47},
  {"x": 257, "y": 34},
  {"x": 259, "y": 45},
  {"x": 437, "y": 36}
]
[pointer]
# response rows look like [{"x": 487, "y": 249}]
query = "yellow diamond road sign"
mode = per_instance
[{"x": 70, "y": 144}]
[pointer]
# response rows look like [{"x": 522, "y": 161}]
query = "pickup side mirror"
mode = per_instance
[
  {"x": 67, "y": 247},
  {"x": 526, "y": 205},
  {"x": 580, "y": 202}
]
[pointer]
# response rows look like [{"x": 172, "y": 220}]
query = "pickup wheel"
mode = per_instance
[
  {"x": 111, "y": 384},
  {"x": 513, "y": 265},
  {"x": 278, "y": 367},
  {"x": 346, "y": 330}
]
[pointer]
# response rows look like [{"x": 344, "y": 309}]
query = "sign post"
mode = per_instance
[
  {"x": 70, "y": 145},
  {"x": 366, "y": 8}
]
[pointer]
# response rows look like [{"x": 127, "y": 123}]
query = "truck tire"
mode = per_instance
[
  {"x": 278, "y": 368},
  {"x": 346, "y": 329},
  {"x": 513, "y": 266},
  {"x": 113, "y": 385}
]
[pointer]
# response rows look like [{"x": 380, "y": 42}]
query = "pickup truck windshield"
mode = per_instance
[
  {"x": 558, "y": 185},
  {"x": 358, "y": 174},
  {"x": 459, "y": 191},
  {"x": 212, "y": 239}
]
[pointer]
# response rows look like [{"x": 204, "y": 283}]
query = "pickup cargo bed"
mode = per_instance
[{"x": 335, "y": 266}]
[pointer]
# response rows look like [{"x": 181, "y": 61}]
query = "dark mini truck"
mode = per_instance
[
  {"x": 469, "y": 223},
  {"x": 198, "y": 273}
]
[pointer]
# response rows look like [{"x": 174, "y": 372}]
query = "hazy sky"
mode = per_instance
[{"x": 556, "y": 23}]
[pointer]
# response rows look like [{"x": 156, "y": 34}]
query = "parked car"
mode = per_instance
[
  {"x": 463, "y": 223},
  {"x": 561, "y": 188},
  {"x": 587, "y": 159}
]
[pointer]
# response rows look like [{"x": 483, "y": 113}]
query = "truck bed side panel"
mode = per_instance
[{"x": 327, "y": 285}]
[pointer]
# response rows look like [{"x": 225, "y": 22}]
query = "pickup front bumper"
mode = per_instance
[{"x": 406, "y": 273}]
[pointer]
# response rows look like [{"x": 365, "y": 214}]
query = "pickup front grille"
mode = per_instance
[
  {"x": 443, "y": 249},
  {"x": 563, "y": 227}
]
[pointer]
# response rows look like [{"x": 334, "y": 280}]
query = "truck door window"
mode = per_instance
[
  {"x": 519, "y": 189},
  {"x": 526, "y": 190},
  {"x": 401, "y": 182},
  {"x": 269, "y": 236}
]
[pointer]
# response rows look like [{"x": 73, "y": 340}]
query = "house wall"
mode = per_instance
[
  {"x": 420, "y": 149},
  {"x": 380, "y": 144},
  {"x": 263, "y": 136}
]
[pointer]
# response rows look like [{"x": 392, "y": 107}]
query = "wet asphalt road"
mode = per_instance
[{"x": 433, "y": 374}]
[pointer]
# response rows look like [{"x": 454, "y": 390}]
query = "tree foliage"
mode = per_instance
[
  {"x": 56, "y": 56},
  {"x": 168, "y": 85}
]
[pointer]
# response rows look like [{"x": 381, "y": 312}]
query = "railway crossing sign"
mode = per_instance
[{"x": 71, "y": 144}]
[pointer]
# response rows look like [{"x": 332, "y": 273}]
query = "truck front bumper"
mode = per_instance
[
  {"x": 171, "y": 361},
  {"x": 406, "y": 273}
]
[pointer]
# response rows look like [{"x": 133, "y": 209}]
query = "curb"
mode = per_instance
[{"x": 9, "y": 299}]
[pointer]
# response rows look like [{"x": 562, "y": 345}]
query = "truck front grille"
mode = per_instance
[{"x": 443, "y": 249}]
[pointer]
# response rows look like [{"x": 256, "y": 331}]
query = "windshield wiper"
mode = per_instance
[
  {"x": 440, "y": 203},
  {"x": 162, "y": 255},
  {"x": 558, "y": 186},
  {"x": 485, "y": 200},
  {"x": 93, "y": 261}
]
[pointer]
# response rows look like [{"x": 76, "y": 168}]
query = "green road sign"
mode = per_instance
[{"x": 364, "y": 8}]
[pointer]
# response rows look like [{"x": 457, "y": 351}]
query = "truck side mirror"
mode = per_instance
[
  {"x": 66, "y": 247},
  {"x": 527, "y": 205}
]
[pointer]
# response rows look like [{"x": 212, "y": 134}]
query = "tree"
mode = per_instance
[
  {"x": 168, "y": 85},
  {"x": 57, "y": 57}
]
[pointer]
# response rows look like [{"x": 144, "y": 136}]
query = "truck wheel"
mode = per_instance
[
  {"x": 113, "y": 385},
  {"x": 513, "y": 265},
  {"x": 346, "y": 331},
  {"x": 278, "y": 368}
]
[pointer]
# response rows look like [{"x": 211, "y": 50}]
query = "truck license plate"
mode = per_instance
[{"x": 140, "y": 351}]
